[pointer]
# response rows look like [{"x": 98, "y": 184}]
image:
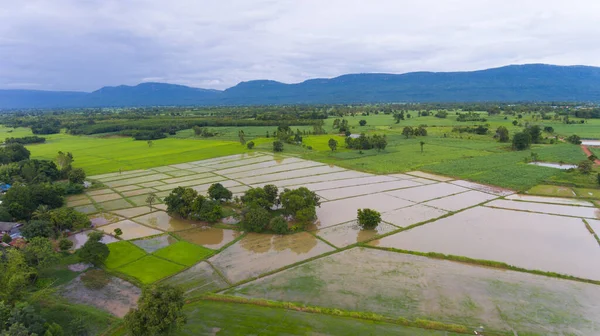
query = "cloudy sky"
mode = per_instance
[{"x": 86, "y": 44}]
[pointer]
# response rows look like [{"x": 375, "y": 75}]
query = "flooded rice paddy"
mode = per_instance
[
  {"x": 553, "y": 165},
  {"x": 396, "y": 284},
  {"x": 532, "y": 232},
  {"x": 528, "y": 240},
  {"x": 151, "y": 245},
  {"x": 214, "y": 238},
  {"x": 81, "y": 238},
  {"x": 256, "y": 254}
]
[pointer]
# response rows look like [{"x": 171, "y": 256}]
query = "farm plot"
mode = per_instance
[
  {"x": 339, "y": 193},
  {"x": 183, "y": 253},
  {"x": 153, "y": 244},
  {"x": 161, "y": 220},
  {"x": 122, "y": 253},
  {"x": 104, "y": 218},
  {"x": 528, "y": 240},
  {"x": 213, "y": 238},
  {"x": 198, "y": 279},
  {"x": 460, "y": 201},
  {"x": 412, "y": 215},
  {"x": 564, "y": 210},
  {"x": 349, "y": 233},
  {"x": 150, "y": 269},
  {"x": 81, "y": 238},
  {"x": 427, "y": 192},
  {"x": 256, "y": 254},
  {"x": 396, "y": 284},
  {"x": 131, "y": 230}
]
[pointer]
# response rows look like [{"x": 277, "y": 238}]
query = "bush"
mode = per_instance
[
  {"x": 118, "y": 232},
  {"x": 64, "y": 244},
  {"x": 250, "y": 145},
  {"x": 210, "y": 211},
  {"x": 362, "y": 122},
  {"x": 277, "y": 146},
  {"x": 256, "y": 219},
  {"x": 258, "y": 197},
  {"x": 95, "y": 279},
  {"x": 441, "y": 114},
  {"x": 6, "y": 238},
  {"x": 37, "y": 228},
  {"x": 279, "y": 225},
  {"x": 368, "y": 219},
  {"x": 502, "y": 134},
  {"x": 77, "y": 176}
]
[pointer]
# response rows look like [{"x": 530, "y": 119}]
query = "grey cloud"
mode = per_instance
[{"x": 84, "y": 45}]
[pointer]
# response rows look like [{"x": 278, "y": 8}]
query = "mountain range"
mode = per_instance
[{"x": 513, "y": 83}]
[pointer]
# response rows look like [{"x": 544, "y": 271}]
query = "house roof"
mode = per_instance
[{"x": 7, "y": 226}]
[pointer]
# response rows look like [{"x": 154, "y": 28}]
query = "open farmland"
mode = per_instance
[{"x": 426, "y": 218}]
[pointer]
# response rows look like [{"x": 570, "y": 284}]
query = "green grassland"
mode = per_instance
[
  {"x": 206, "y": 317},
  {"x": 183, "y": 253}
]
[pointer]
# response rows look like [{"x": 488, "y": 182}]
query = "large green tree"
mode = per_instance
[
  {"x": 256, "y": 219},
  {"x": 521, "y": 141},
  {"x": 37, "y": 228},
  {"x": 218, "y": 192},
  {"x": 93, "y": 251},
  {"x": 39, "y": 252},
  {"x": 159, "y": 312}
]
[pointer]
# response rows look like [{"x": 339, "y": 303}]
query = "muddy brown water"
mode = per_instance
[
  {"x": 133, "y": 212},
  {"x": 162, "y": 220},
  {"x": 117, "y": 297},
  {"x": 130, "y": 230},
  {"x": 259, "y": 253},
  {"x": 81, "y": 238},
  {"x": 396, "y": 284},
  {"x": 529, "y": 240},
  {"x": 104, "y": 218},
  {"x": 198, "y": 279},
  {"x": 210, "y": 237}
]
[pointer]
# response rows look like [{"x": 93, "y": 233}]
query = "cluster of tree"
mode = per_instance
[
  {"x": 145, "y": 135},
  {"x": 51, "y": 223},
  {"x": 341, "y": 125},
  {"x": 502, "y": 134},
  {"x": 203, "y": 132},
  {"x": 25, "y": 140},
  {"x": 574, "y": 139},
  {"x": 441, "y": 114},
  {"x": 529, "y": 135},
  {"x": 187, "y": 203},
  {"x": 480, "y": 129},
  {"x": 158, "y": 312},
  {"x": 13, "y": 152},
  {"x": 409, "y": 131},
  {"x": 364, "y": 141},
  {"x": 48, "y": 126},
  {"x": 292, "y": 116},
  {"x": 470, "y": 116},
  {"x": 299, "y": 204}
]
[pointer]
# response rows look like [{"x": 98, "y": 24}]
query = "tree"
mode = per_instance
[
  {"x": 24, "y": 314},
  {"x": 94, "y": 252},
  {"x": 250, "y": 144},
  {"x": 15, "y": 275},
  {"x": 293, "y": 201},
  {"x": 64, "y": 161},
  {"x": 277, "y": 146},
  {"x": 210, "y": 211},
  {"x": 549, "y": 129},
  {"x": 22, "y": 200},
  {"x": 39, "y": 252},
  {"x": 515, "y": 123},
  {"x": 95, "y": 236},
  {"x": 256, "y": 219},
  {"x": 218, "y": 192},
  {"x": 368, "y": 219},
  {"x": 332, "y": 144},
  {"x": 422, "y": 143},
  {"x": 257, "y": 197},
  {"x": 574, "y": 139},
  {"x": 6, "y": 239},
  {"x": 585, "y": 166},
  {"x": 151, "y": 199},
  {"x": 407, "y": 131},
  {"x": 118, "y": 232},
  {"x": 37, "y": 228},
  {"x": 271, "y": 191},
  {"x": 150, "y": 143},
  {"x": 68, "y": 219},
  {"x": 362, "y": 122},
  {"x": 279, "y": 225},
  {"x": 159, "y": 311},
  {"x": 379, "y": 142},
  {"x": 521, "y": 141},
  {"x": 180, "y": 200},
  {"x": 241, "y": 137},
  {"x": 64, "y": 244},
  {"x": 535, "y": 132},
  {"x": 306, "y": 215},
  {"x": 76, "y": 176},
  {"x": 502, "y": 134},
  {"x": 592, "y": 158},
  {"x": 41, "y": 213},
  {"x": 54, "y": 329}
]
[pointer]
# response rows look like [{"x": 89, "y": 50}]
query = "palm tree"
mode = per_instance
[{"x": 41, "y": 212}]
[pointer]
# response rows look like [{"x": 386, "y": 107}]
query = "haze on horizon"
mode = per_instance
[{"x": 82, "y": 45}]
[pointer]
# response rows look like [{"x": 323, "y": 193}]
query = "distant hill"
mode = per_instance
[{"x": 531, "y": 82}]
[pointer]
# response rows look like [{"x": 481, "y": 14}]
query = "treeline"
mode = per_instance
[
  {"x": 364, "y": 141},
  {"x": 25, "y": 140}
]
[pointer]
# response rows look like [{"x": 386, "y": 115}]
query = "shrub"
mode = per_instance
[
  {"x": 279, "y": 225},
  {"x": 362, "y": 122},
  {"x": 95, "y": 279},
  {"x": 6, "y": 238},
  {"x": 256, "y": 219},
  {"x": 250, "y": 145},
  {"x": 502, "y": 134},
  {"x": 64, "y": 244},
  {"x": 218, "y": 192},
  {"x": 368, "y": 218},
  {"x": 118, "y": 232},
  {"x": 277, "y": 146},
  {"x": 257, "y": 197},
  {"x": 210, "y": 211}
]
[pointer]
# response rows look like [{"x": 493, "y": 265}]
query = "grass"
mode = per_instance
[
  {"x": 122, "y": 253},
  {"x": 184, "y": 253},
  {"x": 229, "y": 318},
  {"x": 551, "y": 190},
  {"x": 150, "y": 269}
]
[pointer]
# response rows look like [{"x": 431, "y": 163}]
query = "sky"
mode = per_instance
[{"x": 83, "y": 45}]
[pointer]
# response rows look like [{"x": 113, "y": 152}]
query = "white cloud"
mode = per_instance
[{"x": 86, "y": 44}]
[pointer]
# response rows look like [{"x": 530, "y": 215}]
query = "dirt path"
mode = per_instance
[{"x": 588, "y": 152}]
